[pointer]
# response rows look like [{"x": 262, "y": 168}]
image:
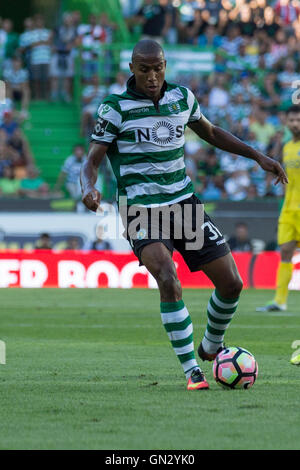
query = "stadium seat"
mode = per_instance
[{"x": 52, "y": 131}]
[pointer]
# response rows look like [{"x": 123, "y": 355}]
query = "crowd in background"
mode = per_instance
[
  {"x": 257, "y": 52},
  {"x": 239, "y": 240}
]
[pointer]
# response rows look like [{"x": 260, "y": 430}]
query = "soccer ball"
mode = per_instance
[{"x": 235, "y": 368}]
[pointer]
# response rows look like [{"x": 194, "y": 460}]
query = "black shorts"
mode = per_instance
[{"x": 213, "y": 244}]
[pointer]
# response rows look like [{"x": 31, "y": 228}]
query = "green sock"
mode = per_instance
[
  {"x": 219, "y": 313},
  {"x": 179, "y": 327}
]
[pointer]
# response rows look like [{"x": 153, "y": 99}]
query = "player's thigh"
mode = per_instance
[
  {"x": 158, "y": 260},
  {"x": 224, "y": 275}
]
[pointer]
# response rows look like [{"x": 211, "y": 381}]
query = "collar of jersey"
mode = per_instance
[{"x": 131, "y": 89}]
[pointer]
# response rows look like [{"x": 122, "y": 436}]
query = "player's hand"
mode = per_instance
[
  {"x": 268, "y": 164},
  {"x": 91, "y": 199}
]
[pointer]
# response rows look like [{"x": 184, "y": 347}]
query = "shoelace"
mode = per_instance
[{"x": 197, "y": 374}]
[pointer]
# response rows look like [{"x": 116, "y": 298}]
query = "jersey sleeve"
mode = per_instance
[
  {"x": 194, "y": 107},
  {"x": 108, "y": 122}
]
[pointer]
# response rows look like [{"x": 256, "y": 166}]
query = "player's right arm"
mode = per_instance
[
  {"x": 89, "y": 173},
  {"x": 105, "y": 132}
]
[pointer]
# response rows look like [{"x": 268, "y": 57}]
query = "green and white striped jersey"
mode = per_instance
[{"x": 146, "y": 148}]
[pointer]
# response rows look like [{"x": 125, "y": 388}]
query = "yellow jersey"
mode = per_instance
[{"x": 291, "y": 163}]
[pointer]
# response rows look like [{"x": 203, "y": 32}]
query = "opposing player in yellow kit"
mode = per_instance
[{"x": 289, "y": 220}]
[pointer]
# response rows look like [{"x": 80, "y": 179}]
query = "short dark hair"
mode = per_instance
[
  {"x": 147, "y": 47},
  {"x": 295, "y": 108}
]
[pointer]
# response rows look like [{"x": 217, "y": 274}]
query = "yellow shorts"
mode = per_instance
[{"x": 289, "y": 227}]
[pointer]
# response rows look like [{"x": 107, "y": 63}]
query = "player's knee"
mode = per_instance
[
  {"x": 233, "y": 288},
  {"x": 169, "y": 285}
]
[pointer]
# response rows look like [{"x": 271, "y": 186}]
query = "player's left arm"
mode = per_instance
[{"x": 224, "y": 140}]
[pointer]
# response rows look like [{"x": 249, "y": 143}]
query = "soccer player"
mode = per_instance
[
  {"x": 289, "y": 220},
  {"x": 142, "y": 133}
]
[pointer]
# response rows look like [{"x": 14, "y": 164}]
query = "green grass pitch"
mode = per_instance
[{"x": 93, "y": 369}]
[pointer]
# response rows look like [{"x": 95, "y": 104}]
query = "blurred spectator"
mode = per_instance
[
  {"x": 251, "y": 192},
  {"x": 258, "y": 180},
  {"x": 2, "y": 43},
  {"x": 119, "y": 86},
  {"x": 287, "y": 11},
  {"x": 172, "y": 32},
  {"x": 17, "y": 84},
  {"x": 240, "y": 240},
  {"x": 25, "y": 42},
  {"x": 62, "y": 61},
  {"x": 246, "y": 23},
  {"x": 286, "y": 78},
  {"x": 270, "y": 90},
  {"x": 155, "y": 19},
  {"x": 209, "y": 37},
  {"x": 18, "y": 143},
  {"x": 9, "y": 186},
  {"x": 213, "y": 7},
  {"x": 9, "y": 125},
  {"x": 108, "y": 26},
  {"x": 187, "y": 11},
  {"x": 40, "y": 58},
  {"x": 210, "y": 173},
  {"x": 76, "y": 20},
  {"x": 210, "y": 191},
  {"x": 243, "y": 60},
  {"x": 269, "y": 23},
  {"x": 4, "y": 161},
  {"x": 8, "y": 157},
  {"x": 238, "y": 111},
  {"x": 262, "y": 130},
  {"x": 218, "y": 95},
  {"x": 73, "y": 244},
  {"x": 232, "y": 41},
  {"x": 192, "y": 24},
  {"x": 190, "y": 161},
  {"x": 129, "y": 7},
  {"x": 100, "y": 244},
  {"x": 9, "y": 41},
  {"x": 33, "y": 186},
  {"x": 223, "y": 23},
  {"x": 279, "y": 48},
  {"x": 236, "y": 185},
  {"x": 245, "y": 87},
  {"x": 90, "y": 37},
  {"x": 70, "y": 173},
  {"x": 4, "y": 107},
  {"x": 230, "y": 163},
  {"x": 92, "y": 95},
  {"x": 256, "y": 60},
  {"x": 43, "y": 242}
]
